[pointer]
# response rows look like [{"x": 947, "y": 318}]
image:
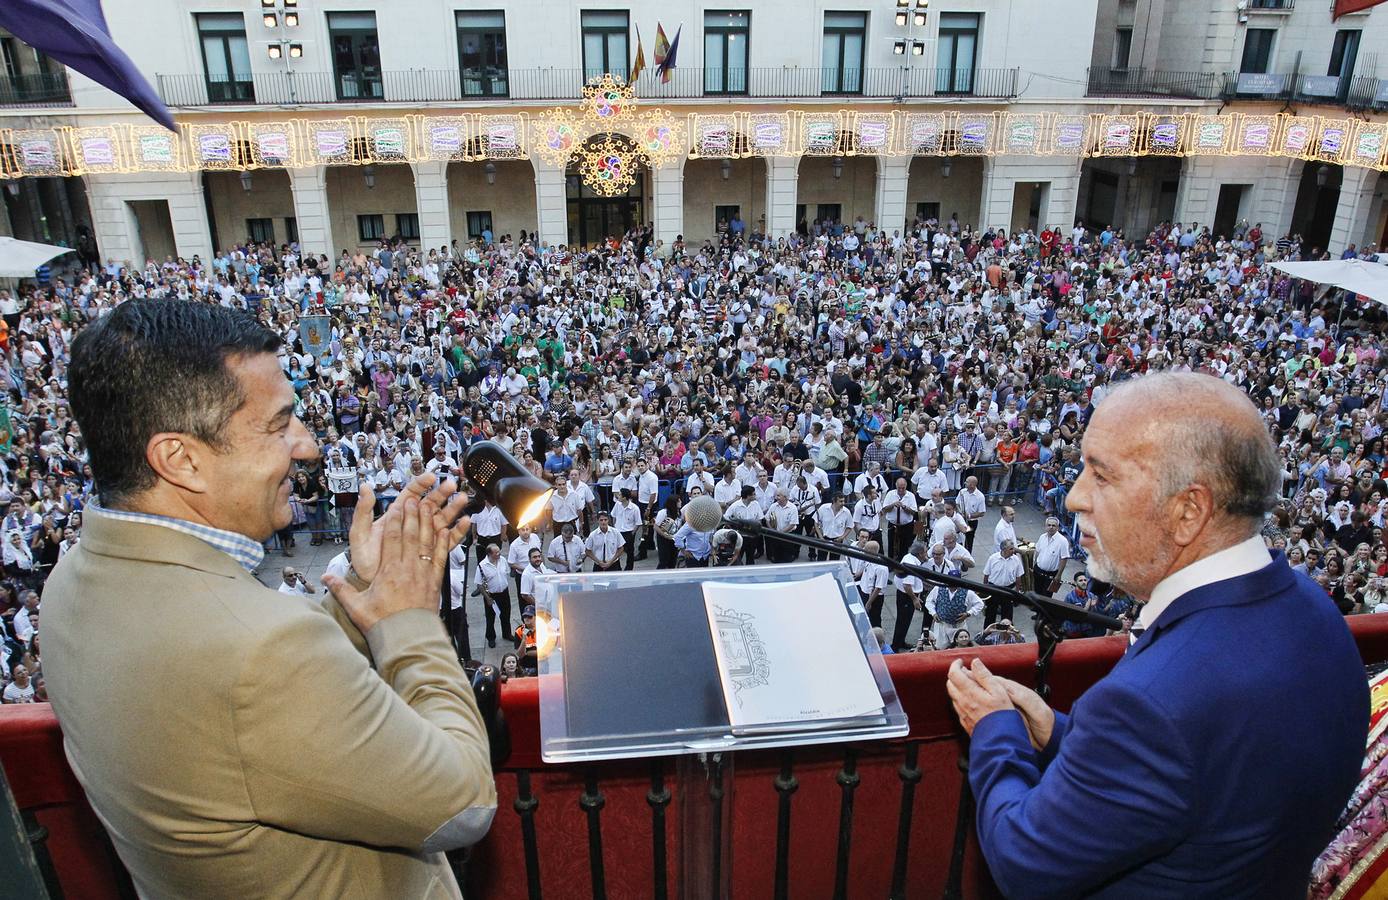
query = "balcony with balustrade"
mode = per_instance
[{"x": 292, "y": 87}]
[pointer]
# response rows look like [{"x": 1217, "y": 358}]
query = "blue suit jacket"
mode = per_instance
[{"x": 1211, "y": 762}]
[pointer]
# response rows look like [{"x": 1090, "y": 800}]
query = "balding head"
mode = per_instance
[
  {"x": 1204, "y": 430},
  {"x": 1176, "y": 467}
]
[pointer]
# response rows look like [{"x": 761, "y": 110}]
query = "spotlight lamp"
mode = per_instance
[
  {"x": 291, "y": 20},
  {"x": 902, "y": 4},
  {"x": 918, "y": 48},
  {"x": 296, "y": 51},
  {"x": 901, "y": 18},
  {"x": 919, "y": 17},
  {"x": 267, "y": 4},
  {"x": 271, "y": 20},
  {"x": 498, "y": 476},
  {"x": 899, "y": 48},
  {"x": 274, "y": 51}
]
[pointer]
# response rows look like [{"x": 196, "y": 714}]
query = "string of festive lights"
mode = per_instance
[{"x": 659, "y": 138}]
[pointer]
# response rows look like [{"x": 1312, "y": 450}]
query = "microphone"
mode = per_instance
[{"x": 703, "y": 514}]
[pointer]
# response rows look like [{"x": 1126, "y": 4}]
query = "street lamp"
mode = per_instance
[
  {"x": 725, "y": 169},
  {"x": 369, "y": 173},
  {"x": 246, "y": 180},
  {"x": 945, "y": 166},
  {"x": 837, "y": 166},
  {"x": 490, "y": 171}
]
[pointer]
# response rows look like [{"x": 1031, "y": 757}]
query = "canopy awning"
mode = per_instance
[
  {"x": 20, "y": 259},
  {"x": 1356, "y": 275}
]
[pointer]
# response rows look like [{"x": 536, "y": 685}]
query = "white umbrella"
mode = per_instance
[
  {"x": 1356, "y": 275},
  {"x": 20, "y": 259}
]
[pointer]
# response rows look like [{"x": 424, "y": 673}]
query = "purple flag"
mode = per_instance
[
  {"x": 74, "y": 33},
  {"x": 666, "y": 68}
]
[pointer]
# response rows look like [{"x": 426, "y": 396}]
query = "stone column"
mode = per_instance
[
  {"x": 551, "y": 203},
  {"x": 782, "y": 177},
  {"x": 668, "y": 187},
  {"x": 431, "y": 204},
  {"x": 117, "y": 233},
  {"x": 311, "y": 214},
  {"x": 889, "y": 212},
  {"x": 1352, "y": 212}
]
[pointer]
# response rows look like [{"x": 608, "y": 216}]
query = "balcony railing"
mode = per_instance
[
  {"x": 1138, "y": 82},
  {"x": 39, "y": 89},
  {"x": 890, "y": 818},
  {"x": 443, "y": 85},
  {"x": 1362, "y": 93}
]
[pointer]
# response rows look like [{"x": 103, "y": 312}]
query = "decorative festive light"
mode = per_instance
[
  {"x": 608, "y": 164},
  {"x": 661, "y": 137},
  {"x": 609, "y": 99}
]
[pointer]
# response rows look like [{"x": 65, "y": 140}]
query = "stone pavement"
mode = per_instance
[{"x": 313, "y": 560}]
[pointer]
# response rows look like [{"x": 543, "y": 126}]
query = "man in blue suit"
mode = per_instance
[{"x": 1214, "y": 758}]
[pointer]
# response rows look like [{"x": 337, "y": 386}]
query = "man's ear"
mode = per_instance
[{"x": 179, "y": 459}]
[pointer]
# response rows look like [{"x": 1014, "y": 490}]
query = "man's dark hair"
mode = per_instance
[{"x": 152, "y": 366}]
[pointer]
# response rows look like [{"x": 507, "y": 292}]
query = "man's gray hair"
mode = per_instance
[{"x": 1239, "y": 465}]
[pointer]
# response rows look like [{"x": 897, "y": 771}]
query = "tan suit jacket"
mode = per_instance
[{"x": 239, "y": 743}]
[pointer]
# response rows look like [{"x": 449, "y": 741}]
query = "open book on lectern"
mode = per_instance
[{"x": 747, "y": 657}]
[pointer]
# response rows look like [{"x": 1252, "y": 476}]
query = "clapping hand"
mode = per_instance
[
  {"x": 411, "y": 555},
  {"x": 444, "y": 504}
]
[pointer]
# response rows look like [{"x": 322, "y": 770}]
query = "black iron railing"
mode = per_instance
[
  {"x": 39, "y": 89},
  {"x": 1139, "y": 82},
  {"x": 450, "y": 85}
]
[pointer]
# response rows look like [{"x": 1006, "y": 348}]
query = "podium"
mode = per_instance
[{"x": 628, "y": 668}]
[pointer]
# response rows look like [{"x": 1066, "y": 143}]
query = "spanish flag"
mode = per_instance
[
  {"x": 639, "y": 65},
  {"x": 662, "y": 45}
]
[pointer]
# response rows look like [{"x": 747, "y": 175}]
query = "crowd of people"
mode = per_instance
[{"x": 875, "y": 386}]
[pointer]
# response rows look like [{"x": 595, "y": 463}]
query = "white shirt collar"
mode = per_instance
[{"x": 1241, "y": 559}]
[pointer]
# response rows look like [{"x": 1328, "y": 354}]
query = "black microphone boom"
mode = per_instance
[{"x": 1046, "y": 606}]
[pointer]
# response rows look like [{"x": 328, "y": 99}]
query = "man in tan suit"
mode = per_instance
[{"x": 236, "y": 741}]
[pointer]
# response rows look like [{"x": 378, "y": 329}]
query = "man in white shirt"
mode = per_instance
[
  {"x": 946, "y": 520},
  {"x": 1052, "y": 552},
  {"x": 747, "y": 509},
  {"x": 956, "y": 554},
  {"x": 1003, "y": 569},
  {"x": 586, "y": 498},
  {"x": 930, "y": 479},
  {"x": 518, "y": 554},
  {"x": 782, "y": 516},
  {"x": 764, "y": 491},
  {"x": 1004, "y": 530},
  {"x": 487, "y": 525},
  {"x": 908, "y": 599},
  {"x": 605, "y": 546},
  {"x": 951, "y": 609},
  {"x": 493, "y": 583},
  {"x": 626, "y": 518},
  {"x": 647, "y": 494},
  {"x": 291, "y": 582},
  {"x": 815, "y": 477},
  {"x": 900, "y": 508},
  {"x": 972, "y": 505},
  {"x": 867, "y": 512},
  {"x": 534, "y": 567},
  {"x": 872, "y": 585},
  {"x": 831, "y": 522},
  {"x": 728, "y": 488},
  {"x": 565, "y": 507},
  {"x": 567, "y": 551},
  {"x": 873, "y": 477}
]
